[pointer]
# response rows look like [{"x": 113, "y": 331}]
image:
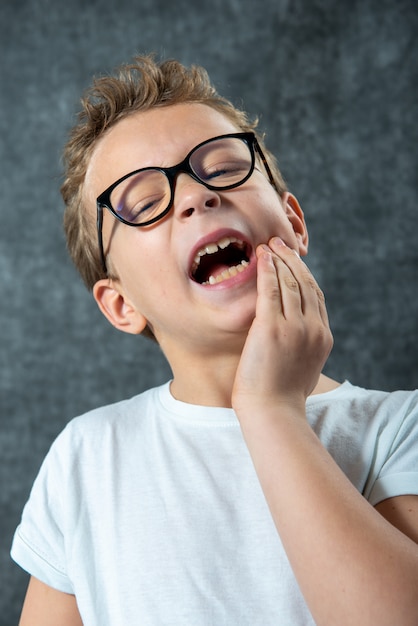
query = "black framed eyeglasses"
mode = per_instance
[{"x": 145, "y": 196}]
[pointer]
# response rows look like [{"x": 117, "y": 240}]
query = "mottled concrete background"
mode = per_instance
[{"x": 335, "y": 84}]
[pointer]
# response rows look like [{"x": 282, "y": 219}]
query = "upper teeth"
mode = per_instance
[{"x": 211, "y": 248}]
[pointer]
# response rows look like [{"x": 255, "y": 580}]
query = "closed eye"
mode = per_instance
[
  {"x": 143, "y": 209},
  {"x": 225, "y": 172}
]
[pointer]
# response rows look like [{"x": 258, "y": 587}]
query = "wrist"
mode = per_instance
[{"x": 270, "y": 407}]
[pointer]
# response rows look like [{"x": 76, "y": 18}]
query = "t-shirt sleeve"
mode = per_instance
[
  {"x": 399, "y": 473},
  {"x": 39, "y": 541}
]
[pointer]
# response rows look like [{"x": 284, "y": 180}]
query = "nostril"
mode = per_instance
[
  {"x": 211, "y": 202},
  {"x": 195, "y": 198}
]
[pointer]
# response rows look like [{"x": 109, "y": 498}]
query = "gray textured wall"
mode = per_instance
[{"x": 335, "y": 84}]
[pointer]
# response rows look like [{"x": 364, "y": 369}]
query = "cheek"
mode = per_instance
[
  {"x": 270, "y": 209},
  {"x": 127, "y": 252},
  {"x": 266, "y": 198},
  {"x": 143, "y": 267}
]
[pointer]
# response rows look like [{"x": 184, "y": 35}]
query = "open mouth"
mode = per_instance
[{"x": 217, "y": 262}]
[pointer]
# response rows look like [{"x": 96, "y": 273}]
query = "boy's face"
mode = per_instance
[{"x": 155, "y": 264}]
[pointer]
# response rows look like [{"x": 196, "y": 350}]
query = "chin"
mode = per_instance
[{"x": 240, "y": 323}]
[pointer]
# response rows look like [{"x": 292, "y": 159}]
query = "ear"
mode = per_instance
[
  {"x": 297, "y": 219},
  {"x": 116, "y": 308}
]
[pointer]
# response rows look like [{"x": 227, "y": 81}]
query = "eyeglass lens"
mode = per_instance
[{"x": 218, "y": 164}]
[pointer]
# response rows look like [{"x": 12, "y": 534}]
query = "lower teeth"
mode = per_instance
[{"x": 228, "y": 273}]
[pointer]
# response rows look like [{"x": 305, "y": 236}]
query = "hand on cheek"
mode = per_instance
[{"x": 290, "y": 339}]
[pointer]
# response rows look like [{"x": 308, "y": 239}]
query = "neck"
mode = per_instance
[
  {"x": 207, "y": 383},
  {"x": 210, "y": 382}
]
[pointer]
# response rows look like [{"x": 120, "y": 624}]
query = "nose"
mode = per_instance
[{"x": 191, "y": 197}]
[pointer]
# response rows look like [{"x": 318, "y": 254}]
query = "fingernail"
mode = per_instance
[
  {"x": 263, "y": 249},
  {"x": 278, "y": 242}
]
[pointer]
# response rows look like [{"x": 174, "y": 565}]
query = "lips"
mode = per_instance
[{"x": 220, "y": 259}]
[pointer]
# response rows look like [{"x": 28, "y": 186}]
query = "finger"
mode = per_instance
[
  {"x": 312, "y": 298},
  {"x": 289, "y": 288},
  {"x": 289, "y": 281},
  {"x": 322, "y": 307},
  {"x": 269, "y": 301}
]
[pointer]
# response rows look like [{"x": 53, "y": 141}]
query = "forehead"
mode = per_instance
[{"x": 158, "y": 137}]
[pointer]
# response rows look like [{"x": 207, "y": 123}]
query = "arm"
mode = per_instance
[
  {"x": 401, "y": 512},
  {"x": 352, "y": 565},
  {"x": 45, "y": 606}
]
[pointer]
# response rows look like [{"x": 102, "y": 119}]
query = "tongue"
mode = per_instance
[{"x": 218, "y": 268}]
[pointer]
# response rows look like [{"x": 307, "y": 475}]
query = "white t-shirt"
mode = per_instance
[{"x": 151, "y": 513}]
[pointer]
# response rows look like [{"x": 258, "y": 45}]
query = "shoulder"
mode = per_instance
[
  {"x": 122, "y": 414},
  {"x": 386, "y": 409},
  {"x": 354, "y": 422},
  {"x": 100, "y": 442},
  {"x": 104, "y": 428},
  {"x": 363, "y": 405}
]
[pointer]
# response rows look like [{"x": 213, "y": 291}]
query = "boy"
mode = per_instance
[{"x": 251, "y": 489}]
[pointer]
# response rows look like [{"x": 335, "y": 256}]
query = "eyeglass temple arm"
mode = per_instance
[
  {"x": 100, "y": 236},
  {"x": 266, "y": 165}
]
